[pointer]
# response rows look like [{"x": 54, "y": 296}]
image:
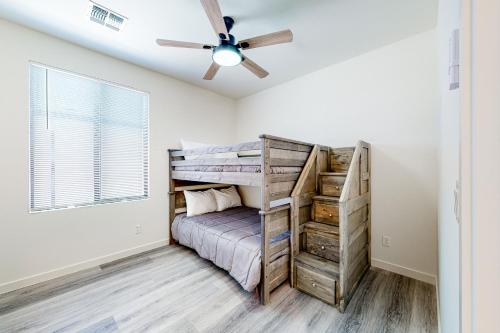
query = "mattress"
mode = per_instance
[
  {"x": 237, "y": 168},
  {"x": 230, "y": 239}
]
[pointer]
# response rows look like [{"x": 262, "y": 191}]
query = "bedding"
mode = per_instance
[
  {"x": 200, "y": 202},
  {"x": 237, "y": 168},
  {"x": 195, "y": 145},
  {"x": 230, "y": 239},
  {"x": 227, "y": 198}
]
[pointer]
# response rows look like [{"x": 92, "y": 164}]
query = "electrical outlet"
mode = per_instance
[
  {"x": 138, "y": 229},
  {"x": 386, "y": 241}
]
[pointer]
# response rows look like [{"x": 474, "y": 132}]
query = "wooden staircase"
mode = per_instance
[{"x": 324, "y": 221}]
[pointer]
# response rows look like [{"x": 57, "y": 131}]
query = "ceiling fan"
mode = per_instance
[{"x": 228, "y": 52}]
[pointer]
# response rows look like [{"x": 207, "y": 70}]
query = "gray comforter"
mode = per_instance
[{"x": 230, "y": 239}]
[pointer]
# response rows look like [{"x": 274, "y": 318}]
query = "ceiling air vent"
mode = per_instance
[{"x": 106, "y": 17}]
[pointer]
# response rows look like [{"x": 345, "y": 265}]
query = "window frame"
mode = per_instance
[{"x": 147, "y": 177}]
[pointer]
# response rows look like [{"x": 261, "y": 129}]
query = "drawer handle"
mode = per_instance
[
  {"x": 330, "y": 215},
  {"x": 337, "y": 187},
  {"x": 314, "y": 285},
  {"x": 322, "y": 247}
]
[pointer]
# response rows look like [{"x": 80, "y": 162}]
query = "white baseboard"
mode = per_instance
[
  {"x": 58, "y": 272},
  {"x": 412, "y": 273}
]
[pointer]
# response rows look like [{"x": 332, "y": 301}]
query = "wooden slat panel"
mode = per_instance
[
  {"x": 278, "y": 266},
  {"x": 305, "y": 199},
  {"x": 323, "y": 161},
  {"x": 277, "y": 247},
  {"x": 365, "y": 174},
  {"x": 255, "y": 145},
  {"x": 357, "y": 203},
  {"x": 277, "y": 138},
  {"x": 180, "y": 200},
  {"x": 279, "y": 222},
  {"x": 278, "y": 144},
  {"x": 236, "y": 178},
  {"x": 287, "y": 162},
  {"x": 304, "y": 214},
  {"x": 358, "y": 242},
  {"x": 356, "y": 219},
  {"x": 219, "y": 161},
  {"x": 276, "y": 178},
  {"x": 273, "y": 284},
  {"x": 356, "y": 268},
  {"x": 280, "y": 195},
  {"x": 288, "y": 154},
  {"x": 355, "y": 185},
  {"x": 281, "y": 186}
]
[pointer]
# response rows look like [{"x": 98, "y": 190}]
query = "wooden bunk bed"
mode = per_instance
[{"x": 283, "y": 169}]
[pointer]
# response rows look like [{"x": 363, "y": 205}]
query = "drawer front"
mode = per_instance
[
  {"x": 332, "y": 185},
  {"x": 315, "y": 284},
  {"x": 331, "y": 190},
  {"x": 322, "y": 246},
  {"x": 326, "y": 213}
]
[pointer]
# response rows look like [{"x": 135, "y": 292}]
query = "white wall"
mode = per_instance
[
  {"x": 34, "y": 247},
  {"x": 448, "y": 228},
  {"x": 388, "y": 97}
]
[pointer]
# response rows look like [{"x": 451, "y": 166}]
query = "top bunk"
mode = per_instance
[{"x": 269, "y": 160}]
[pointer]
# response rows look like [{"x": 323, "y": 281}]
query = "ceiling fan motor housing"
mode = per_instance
[{"x": 229, "y": 22}]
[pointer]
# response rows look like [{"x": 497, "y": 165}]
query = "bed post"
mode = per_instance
[
  {"x": 171, "y": 198},
  {"x": 265, "y": 206}
]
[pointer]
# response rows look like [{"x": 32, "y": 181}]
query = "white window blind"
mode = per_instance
[{"x": 89, "y": 141}]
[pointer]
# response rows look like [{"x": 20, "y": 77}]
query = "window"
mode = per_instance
[{"x": 89, "y": 141}]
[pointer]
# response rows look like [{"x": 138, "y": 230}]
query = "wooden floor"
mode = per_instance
[{"x": 173, "y": 290}]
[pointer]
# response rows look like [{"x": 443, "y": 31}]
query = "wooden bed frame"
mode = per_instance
[{"x": 282, "y": 194}]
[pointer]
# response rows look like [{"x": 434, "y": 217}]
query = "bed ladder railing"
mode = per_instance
[{"x": 276, "y": 189}]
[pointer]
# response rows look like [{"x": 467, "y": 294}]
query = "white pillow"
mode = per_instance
[
  {"x": 194, "y": 145},
  {"x": 200, "y": 202},
  {"x": 227, "y": 198}
]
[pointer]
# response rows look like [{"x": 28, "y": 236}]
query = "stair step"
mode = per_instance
[
  {"x": 338, "y": 174},
  {"x": 321, "y": 227},
  {"x": 321, "y": 265},
  {"x": 332, "y": 200}
]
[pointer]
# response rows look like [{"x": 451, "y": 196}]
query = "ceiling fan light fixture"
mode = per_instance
[{"x": 227, "y": 55}]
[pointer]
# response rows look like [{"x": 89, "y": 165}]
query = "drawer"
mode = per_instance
[
  {"x": 331, "y": 190},
  {"x": 326, "y": 212},
  {"x": 315, "y": 284},
  {"x": 332, "y": 185},
  {"x": 322, "y": 246}
]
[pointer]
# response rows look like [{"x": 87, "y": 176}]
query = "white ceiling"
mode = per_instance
[{"x": 325, "y": 32}]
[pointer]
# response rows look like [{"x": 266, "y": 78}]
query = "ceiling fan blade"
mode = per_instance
[
  {"x": 215, "y": 16},
  {"x": 278, "y": 37},
  {"x": 176, "y": 43},
  {"x": 212, "y": 70},
  {"x": 254, "y": 68}
]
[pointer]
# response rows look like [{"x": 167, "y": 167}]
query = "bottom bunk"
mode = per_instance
[
  {"x": 252, "y": 245},
  {"x": 231, "y": 239}
]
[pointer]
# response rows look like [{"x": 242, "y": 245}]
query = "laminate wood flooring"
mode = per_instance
[{"x": 171, "y": 289}]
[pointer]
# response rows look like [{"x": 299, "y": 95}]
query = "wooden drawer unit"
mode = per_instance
[
  {"x": 322, "y": 245},
  {"x": 316, "y": 284},
  {"x": 331, "y": 185},
  {"x": 326, "y": 211}
]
